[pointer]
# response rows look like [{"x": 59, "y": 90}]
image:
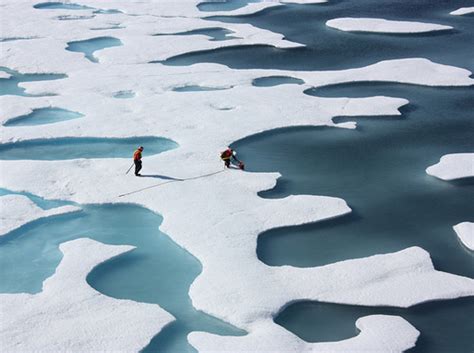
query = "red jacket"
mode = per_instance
[{"x": 227, "y": 154}]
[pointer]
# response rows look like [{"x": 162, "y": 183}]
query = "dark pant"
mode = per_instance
[
  {"x": 138, "y": 166},
  {"x": 227, "y": 162}
]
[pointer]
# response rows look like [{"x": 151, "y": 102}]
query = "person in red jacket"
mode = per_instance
[
  {"x": 137, "y": 159},
  {"x": 228, "y": 155}
]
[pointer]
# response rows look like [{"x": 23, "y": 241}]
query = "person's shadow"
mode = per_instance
[{"x": 158, "y": 176}]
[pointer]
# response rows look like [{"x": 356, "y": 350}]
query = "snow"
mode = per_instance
[
  {"x": 44, "y": 321},
  {"x": 453, "y": 166},
  {"x": 5, "y": 75},
  {"x": 224, "y": 214},
  {"x": 380, "y": 25},
  {"x": 417, "y": 71},
  {"x": 378, "y": 333},
  {"x": 463, "y": 11},
  {"x": 465, "y": 232},
  {"x": 17, "y": 210},
  {"x": 401, "y": 279}
]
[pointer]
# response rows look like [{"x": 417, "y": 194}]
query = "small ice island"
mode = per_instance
[
  {"x": 463, "y": 11},
  {"x": 465, "y": 232},
  {"x": 380, "y": 25},
  {"x": 453, "y": 166}
]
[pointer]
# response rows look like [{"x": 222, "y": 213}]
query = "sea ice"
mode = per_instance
[
  {"x": 463, "y": 11},
  {"x": 69, "y": 315},
  {"x": 378, "y": 333},
  {"x": 214, "y": 213},
  {"x": 4, "y": 75},
  {"x": 465, "y": 232},
  {"x": 381, "y": 25},
  {"x": 18, "y": 210},
  {"x": 453, "y": 166}
]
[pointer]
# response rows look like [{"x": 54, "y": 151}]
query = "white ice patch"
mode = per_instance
[
  {"x": 418, "y": 71},
  {"x": 380, "y": 25},
  {"x": 5, "y": 75},
  {"x": 378, "y": 333},
  {"x": 69, "y": 315},
  {"x": 463, "y": 11},
  {"x": 465, "y": 232},
  {"x": 17, "y": 210},
  {"x": 453, "y": 166}
]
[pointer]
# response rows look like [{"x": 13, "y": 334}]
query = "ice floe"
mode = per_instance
[
  {"x": 465, "y": 232},
  {"x": 5, "y": 75},
  {"x": 463, "y": 11},
  {"x": 378, "y": 333},
  {"x": 453, "y": 166},
  {"x": 223, "y": 213},
  {"x": 18, "y": 210},
  {"x": 401, "y": 279},
  {"x": 381, "y": 25},
  {"x": 69, "y": 315}
]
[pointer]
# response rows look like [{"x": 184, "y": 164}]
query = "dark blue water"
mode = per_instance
[
  {"x": 9, "y": 86},
  {"x": 89, "y": 46},
  {"x": 158, "y": 271},
  {"x": 328, "y": 48},
  {"x": 446, "y": 327},
  {"x": 223, "y": 5},
  {"x": 43, "y": 116},
  {"x": 216, "y": 33},
  {"x": 379, "y": 168},
  {"x": 86, "y": 147}
]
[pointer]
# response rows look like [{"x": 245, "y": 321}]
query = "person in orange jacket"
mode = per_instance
[{"x": 137, "y": 159}]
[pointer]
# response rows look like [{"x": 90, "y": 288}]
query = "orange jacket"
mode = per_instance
[{"x": 137, "y": 156}]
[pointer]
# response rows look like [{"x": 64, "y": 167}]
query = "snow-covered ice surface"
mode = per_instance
[
  {"x": 465, "y": 232},
  {"x": 378, "y": 333},
  {"x": 17, "y": 210},
  {"x": 223, "y": 213},
  {"x": 68, "y": 315},
  {"x": 463, "y": 11},
  {"x": 453, "y": 166},
  {"x": 383, "y": 26}
]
